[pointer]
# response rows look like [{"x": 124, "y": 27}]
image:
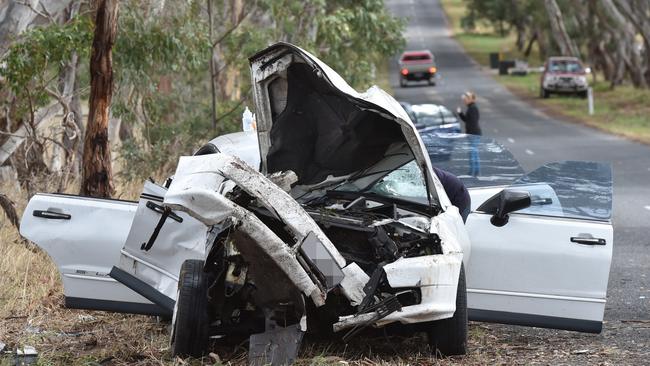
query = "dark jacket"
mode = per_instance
[
  {"x": 455, "y": 190},
  {"x": 470, "y": 117}
]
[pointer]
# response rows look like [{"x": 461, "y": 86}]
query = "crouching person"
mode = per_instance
[{"x": 456, "y": 191}]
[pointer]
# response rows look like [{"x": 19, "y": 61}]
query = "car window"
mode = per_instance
[
  {"x": 496, "y": 166},
  {"x": 419, "y": 57},
  {"x": 565, "y": 66},
  {"x": 428, "y": 115},
  {"x": 570, "y": 189},
  {"x": 447, "y": 116}
]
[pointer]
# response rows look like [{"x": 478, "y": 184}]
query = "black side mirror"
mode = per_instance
[{"x": 503, "y": 203}]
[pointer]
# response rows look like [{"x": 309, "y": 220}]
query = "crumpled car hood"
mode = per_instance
[{"x": 310, "y": 121}]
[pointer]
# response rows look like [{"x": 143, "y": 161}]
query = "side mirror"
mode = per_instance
[{"x": 503, "y": 203}]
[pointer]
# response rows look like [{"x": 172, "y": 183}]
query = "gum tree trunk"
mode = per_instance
[
  {"x": 97, "y": 171},
  {"x": 559, "y": 33}
]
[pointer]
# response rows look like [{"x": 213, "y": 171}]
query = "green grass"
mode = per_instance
[
  {"x": 624, "y": 110},
  {"x": 482, "y": 41}
]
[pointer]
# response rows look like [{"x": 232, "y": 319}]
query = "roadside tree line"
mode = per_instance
[
  {"x": 611, "y": 35},
  {"x": 178, "y": 76}
]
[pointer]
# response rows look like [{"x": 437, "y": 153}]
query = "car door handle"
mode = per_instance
[
  {"x": 588, "y": 240},
  {"x": 160, "y": 209},
  {"x": 47, "y": 214}
]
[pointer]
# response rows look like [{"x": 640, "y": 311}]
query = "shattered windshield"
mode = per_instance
[
  {"x": 476, "y": 160},
  {"x": 571, "y": 189},
  {"x": 405, "y": 183}
]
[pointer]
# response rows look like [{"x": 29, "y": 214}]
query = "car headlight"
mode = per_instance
[
  {"x": 582, "y": 80},
  {"x": 548, "y": 80}
]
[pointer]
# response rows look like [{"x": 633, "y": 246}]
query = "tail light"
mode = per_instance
[
  {"x": 405, "y": 72},
  {"x": 432, "y": 70}
]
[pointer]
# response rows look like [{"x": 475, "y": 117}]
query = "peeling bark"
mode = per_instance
[{"x": 97, "y": 170}]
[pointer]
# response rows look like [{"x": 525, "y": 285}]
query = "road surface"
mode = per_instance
[{"x": 535, "y": 139}]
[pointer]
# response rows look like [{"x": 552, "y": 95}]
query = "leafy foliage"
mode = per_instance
[
  {"x": 34, "y": 63},
  {"x": 161, "y": 64}
]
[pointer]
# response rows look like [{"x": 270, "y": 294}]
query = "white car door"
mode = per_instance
[
  {"x": 548, "y": 266},
  {"x": 157, "y": 244},
  {"x": 83, "y": 236}
]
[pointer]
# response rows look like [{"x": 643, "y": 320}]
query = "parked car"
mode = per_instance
[
  {"x": 434, "y": 118},
  {"x": 564, "y": 75},
  {"x": 417, "y": 66},
  {"x": 331, "y": 220}
]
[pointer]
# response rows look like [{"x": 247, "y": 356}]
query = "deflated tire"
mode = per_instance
[{"x": 191, "y": 321}]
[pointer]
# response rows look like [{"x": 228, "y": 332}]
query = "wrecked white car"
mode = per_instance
[{"x": 329, "y": 219}]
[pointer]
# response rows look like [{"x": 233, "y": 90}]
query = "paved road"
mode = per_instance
[{"x": 534, "y": 139}]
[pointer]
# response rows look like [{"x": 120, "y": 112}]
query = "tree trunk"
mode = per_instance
[
  {"x": 628, "y": 55},
  {"x": 637, "y": 13},
  {"x": 559, "y": 33},
  {"x": 531, "y": 42},
  {"x": 97, "y": 171}
]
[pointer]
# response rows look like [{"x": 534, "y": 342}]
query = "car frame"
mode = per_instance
[
  {"x": 563, "y": 81},
  {"x": 417, "y": 66},
  {"x": 160, "y": 255}
]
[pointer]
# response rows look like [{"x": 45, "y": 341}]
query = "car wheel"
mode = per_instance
[
  {"x": 449, "y": 336},
  {"x": 582, "y": 94},
  {"x": 544, "y": 93},
  {"x": 191, "y": 322},
  {"x": 402, "y": 82},
  {"x": 432, "y": 82}
]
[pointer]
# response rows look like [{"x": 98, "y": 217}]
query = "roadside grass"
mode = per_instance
[
  {"x": 623, "y": 111},
  {"x": 483, "y": 40}
]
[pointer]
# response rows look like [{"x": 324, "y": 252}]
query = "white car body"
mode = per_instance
[{"x": 528, "y": 272}]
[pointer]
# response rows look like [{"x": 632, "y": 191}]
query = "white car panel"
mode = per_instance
[
  {"x": 529, "y": 271},
  {"x": 85, "y": 247}
]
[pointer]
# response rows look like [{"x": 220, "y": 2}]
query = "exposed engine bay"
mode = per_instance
[
  {"x": 278, "y": 268},
  {"x": 366, "y": 233}
]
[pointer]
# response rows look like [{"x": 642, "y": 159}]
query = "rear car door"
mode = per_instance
[
  {"x": 549, "y": 265},
  {"x": 83, "y": 236}
]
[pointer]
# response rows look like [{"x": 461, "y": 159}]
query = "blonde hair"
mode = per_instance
[{"x": 470, "y": 96}]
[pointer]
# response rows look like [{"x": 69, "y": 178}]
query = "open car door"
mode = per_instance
[
  {"x": 158, "y": 242},
  {"x": 548, "y": 265}
]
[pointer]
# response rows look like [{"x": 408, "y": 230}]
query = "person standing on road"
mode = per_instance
[
  {"x": 471, "y": 115},
  {"x": 472, "y": 129}
]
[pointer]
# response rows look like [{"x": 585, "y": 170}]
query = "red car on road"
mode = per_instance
[{"x": 417, "y": 66}]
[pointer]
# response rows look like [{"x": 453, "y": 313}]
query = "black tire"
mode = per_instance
[
  {"x": 191, "y": 322},
  {"x": 544, "y": 93},
  {"x": 432, "y": 82},
  {"x": 582, "y": 94},
  {"x": 402, "y": 83},
  {"x": 449, "y": 336}
]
